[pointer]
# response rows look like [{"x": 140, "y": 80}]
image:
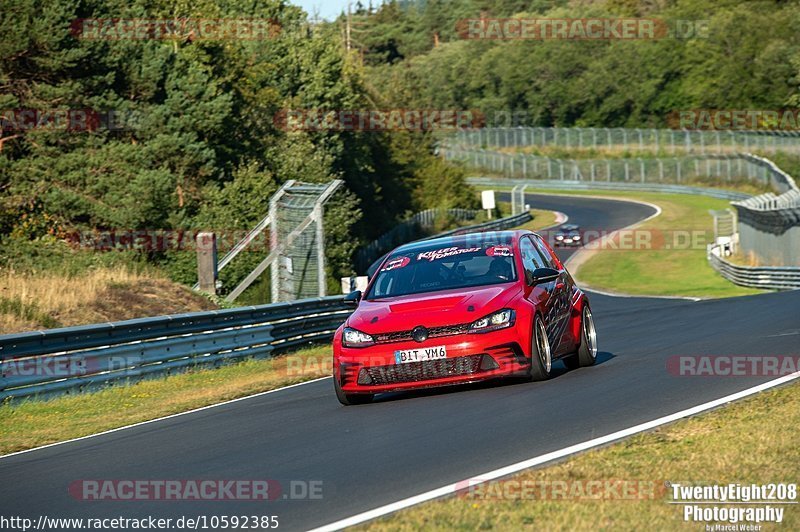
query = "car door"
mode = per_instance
[
  {"x": 541, "y": 295},
  {"x": 559, "y": 309}
]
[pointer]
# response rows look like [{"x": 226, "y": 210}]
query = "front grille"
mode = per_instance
[
  {"x": 433, "y": 332},
  {"x": 420, "y": 371}
]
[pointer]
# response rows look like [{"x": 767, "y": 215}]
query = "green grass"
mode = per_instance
[
  {"x": 737, "y": 444},
  {"x": 31, "y": 423},
  {"x": 660, "y": 272},
  {"x": 22, "y": 310},
  {"x": 541, "y": 220},
  {"x": 681, "y": 270}
]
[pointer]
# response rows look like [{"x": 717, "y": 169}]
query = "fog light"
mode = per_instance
[
  {"x": 364, "y": 377},
  {"x": 488, "y": 363}
]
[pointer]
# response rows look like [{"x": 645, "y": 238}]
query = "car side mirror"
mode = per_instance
[
  {"x": 541, "y": 275},
  {"x": 353, "y": 298}
]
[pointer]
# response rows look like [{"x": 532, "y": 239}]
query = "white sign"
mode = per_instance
[
  {"x": 487, "y": 198},
  {"x": 354, "y": 283}
]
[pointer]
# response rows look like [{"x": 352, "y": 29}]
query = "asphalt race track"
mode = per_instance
[{"x": 405, "y": 444}]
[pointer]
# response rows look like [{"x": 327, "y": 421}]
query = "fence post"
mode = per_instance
[
  {"x": 322, "y": 282},
  {"x": 514, "y": 200},
  {"x": 207, "y": 262}
]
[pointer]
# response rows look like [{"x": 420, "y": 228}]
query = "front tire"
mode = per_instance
[
  {"x": 541, "y": 356},
  {"x": 349, "y": 399}
]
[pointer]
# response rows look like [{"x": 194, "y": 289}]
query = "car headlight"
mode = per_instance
[
  {"x": 356, "y": 338},
  {"x": 576, "y": 237},
  {"x": 497, "y": 320},
  {"x": 559, "y": 237}
]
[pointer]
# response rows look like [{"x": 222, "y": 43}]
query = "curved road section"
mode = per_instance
[{"x": 359, "y": 458}]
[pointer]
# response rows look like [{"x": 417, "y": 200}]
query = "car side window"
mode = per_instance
[
  {"x": 531, "y": 259},
  {"x": 546, "y": 258}
]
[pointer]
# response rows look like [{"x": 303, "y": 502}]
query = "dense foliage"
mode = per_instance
[
  {"x": 199, "y": 146},
  {"x": 202, "y": 149},
  {"x": 746, "y": 57}
]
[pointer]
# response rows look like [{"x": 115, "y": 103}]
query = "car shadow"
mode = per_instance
[{"x": 558, "y": 369}]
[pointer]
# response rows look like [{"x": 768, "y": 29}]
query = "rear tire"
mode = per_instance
[
  {"x": 348, "y": 399},
  {"x": 541, "y": 356},
  {"x": 586, "y": 355}
]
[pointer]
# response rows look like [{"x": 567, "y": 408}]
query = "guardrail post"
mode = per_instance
[{"x": 207, "y": 263}]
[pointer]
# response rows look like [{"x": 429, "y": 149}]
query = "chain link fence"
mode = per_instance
[
  {"x": 669, "y": 141},
  {"x": 686, "y": 169},
  {"x": 767, "y": 225},
  {"x": 299, "y": 270}
]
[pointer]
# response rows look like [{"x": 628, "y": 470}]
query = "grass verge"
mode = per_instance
[
  {"x": 730, "y": 445},
  {"x": 675, "y": 264},
  {"x": 37, "y": 300},
  {"x": 31, "y": 423},
  {"x": 541, "y": 219},
  {"x": 681, "y": 270}
]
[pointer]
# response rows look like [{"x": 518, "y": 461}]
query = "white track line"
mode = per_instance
[
  {"x": 561, "y": 219},
  {"x": 450, "y": 489},
  {"x": 163, "y": 418}
]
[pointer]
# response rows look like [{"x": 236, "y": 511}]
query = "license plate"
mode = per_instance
[{"x": 405, "y": 356}]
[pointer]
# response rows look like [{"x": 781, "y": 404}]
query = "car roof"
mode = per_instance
[
  {"x": 454, "y": 240},
  {"x": 569, "y": 227}
]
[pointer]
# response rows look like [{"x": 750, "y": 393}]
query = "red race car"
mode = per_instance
[{"x": 461, "y": 309}]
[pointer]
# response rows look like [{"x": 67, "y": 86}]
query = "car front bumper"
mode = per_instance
[{"x": 470, "y": 357}]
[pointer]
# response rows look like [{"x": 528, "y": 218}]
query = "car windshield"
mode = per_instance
[{"x": 443, "y": 268}]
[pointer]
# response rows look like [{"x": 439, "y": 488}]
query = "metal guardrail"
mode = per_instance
[
  {"x": 769, "y": 224},
  {"x": 768, "y": 277},
  {"x": 76, "y": 359},
  {"x": 492, "y": 225}
]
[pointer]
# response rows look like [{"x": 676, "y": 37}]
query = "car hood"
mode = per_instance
[{"x": 448, "y": 307}]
